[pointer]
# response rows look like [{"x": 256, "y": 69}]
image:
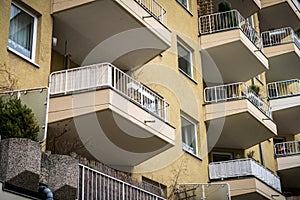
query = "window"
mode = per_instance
[
  {"x": 22, "y": 32},
  {"x": 184, "y": 59},
  {"x": 221, "y": 156},
  {"x": 184, "y": 3},
  {"x": 189, "y": 137}
]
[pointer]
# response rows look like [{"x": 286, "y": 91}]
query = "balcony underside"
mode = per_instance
[
  {"x": 250, "y": 189},
  {"x": 246, "y": 8},
  {"x": 278, "y": 13},
  {"x": 108, "y": 127},
  {"x": 284, "y": 62},
  {"x": 231, "y": 51},
  {"x": 289, "y": 172},
  {"x": 286, "y": 114},
  {"x": 237, "y": 125},
  {"x": 108, "y": 31}
]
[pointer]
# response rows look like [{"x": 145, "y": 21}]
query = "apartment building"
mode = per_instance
[{"x": 160, "y": 99}]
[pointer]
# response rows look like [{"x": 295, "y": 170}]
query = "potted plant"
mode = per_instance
[{"x": 255, "y": 89}]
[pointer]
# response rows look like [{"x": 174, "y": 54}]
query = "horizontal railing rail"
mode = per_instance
[
  {"x": 287, "y": 148},
  {"x": 228, "y": 20},
  {"x": 285, "y": 88},
  {"x": 94, "y": 185},
  {"x": 106, "y": 75},
  {"x": 280, "y": 36},
  {"x": 243, "y": 167},
  {"x": 236, "y": 91},
  {"x": 154, "y": 8}
]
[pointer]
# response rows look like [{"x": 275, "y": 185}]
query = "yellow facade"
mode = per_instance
[
  {"x": 28, "y": 74},
  {"x": 183, "y": 92}
]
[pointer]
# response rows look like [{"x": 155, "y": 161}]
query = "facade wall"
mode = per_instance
[{"x": 28, "y": 74}]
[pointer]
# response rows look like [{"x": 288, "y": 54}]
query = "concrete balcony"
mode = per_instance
[
  {"x": 247, "y": 179},
  {"x": 246, "y": 8},
  {"x": 284, "y": 99},
  {"x": 236, "y": 117},
  {"x": 282, "y": 47},
  {"x": 126, "y": 33},
  {"x": 275, "y": 13},
  {"x": 288, "y": 161},
  {"x": 233, "y": 45},
  {"x": 116, "y": 119}
]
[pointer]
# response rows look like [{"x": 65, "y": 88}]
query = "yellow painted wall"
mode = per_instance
[
  {"x": 27, "y": 74},
  {"x": 184, "y": 95}
]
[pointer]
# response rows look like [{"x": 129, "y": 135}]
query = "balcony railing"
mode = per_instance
[
  {"x": 229, "y": 20},
  {"x": 287, "y": 148},
  {"x": 236, "y": 91},
  {"x": 154, "y": 8},
  {"x": 297, "y": 4},
  {"x": 242, "y": 168},
  {"x": 106, "y": 75},
  {"x": 94, "y": 185},
  {"x": 280, "y": 36},
  {"x": 283, "y": 88}
]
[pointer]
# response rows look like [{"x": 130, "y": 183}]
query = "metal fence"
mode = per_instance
[
  {"x": 95, "y": 76},
  {"x": 283, "y": 88},
  {"x": 94, "y": 185},
  {"x": 243, "y": 167},
  {"x": 280, "y": 36},
  {"x": 236, "y": 91},
  {"x": 287, "y": 148},
  {"x": 154, "y": 8},
  {"x": 228, "y": 20}
]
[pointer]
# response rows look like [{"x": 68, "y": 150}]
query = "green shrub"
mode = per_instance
[
  {"x": 224, "y": 6},
  {"x": 17, "y": 120},
  {"x": 255, "y": 89}
]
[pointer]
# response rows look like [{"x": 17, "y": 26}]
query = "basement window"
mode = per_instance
[{"x": 22, "y": 32}]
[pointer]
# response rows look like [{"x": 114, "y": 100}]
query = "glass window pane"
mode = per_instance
[
  {"x": 21, "y": 31},
  {"x": 184, "y": 59},
  {"x": 188, "y": 135}
]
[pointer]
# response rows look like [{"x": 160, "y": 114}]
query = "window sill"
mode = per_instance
[
  {"x": 188, "y": 76},
  {"x": 187, "y": 10},
  {"x": 195, "y": 156},
  {"x": 23, "y": 57}
]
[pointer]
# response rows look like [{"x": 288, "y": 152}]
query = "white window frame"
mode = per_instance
[
  {"x": 187, "y": 4},
  {"x": 184, "y": 145},
  {"x": 34, "y": 36},
  {"x": 190, "y": 58}
]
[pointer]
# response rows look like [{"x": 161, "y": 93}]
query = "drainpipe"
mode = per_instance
[{"x": 46, "y": 193}]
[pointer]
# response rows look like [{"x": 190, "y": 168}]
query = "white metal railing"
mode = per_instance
[
  {"x": 236, "y": 91},
  {"x": 228, "y": 20},
  {"x": 287, "y": 148},
  {"x": 218, "y": 191},
  {"x": 95, "y": 185},
  {"x": 243, "y": 167},
  {"x": 106, "y": 75},
  {"x": 297, "y": 4},
  {"x": 154, "y": 8},
  {"x": 283, "y": 88},
  {"x": 280, "y": 36}
]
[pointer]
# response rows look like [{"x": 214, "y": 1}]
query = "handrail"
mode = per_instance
[
  {"x": 229, "y": 20},
  {"x": 236, "y": 91},
  {"x": 280, "y": 36},
  {"x": 97, "y": 185},
  {"x": 285, "y": 88},
  {"x": 106, "y": 75},
  {"x": 154, "y": 8},
  {"x": 287, "y": 148},
  {"x": 243, "y": 167}
]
